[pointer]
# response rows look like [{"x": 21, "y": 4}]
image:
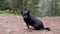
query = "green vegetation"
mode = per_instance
[
  {"x": 17, "y": 12},
  {"x": 4, "y": 11},
  {"x": 37, "y": 7}
]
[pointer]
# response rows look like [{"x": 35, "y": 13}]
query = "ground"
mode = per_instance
[{"x": 12, "y": 24}]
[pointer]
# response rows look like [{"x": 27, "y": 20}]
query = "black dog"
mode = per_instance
[{"x": 32, "y": 21}]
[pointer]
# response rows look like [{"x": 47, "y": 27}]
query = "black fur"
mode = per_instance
[{"x": 32, "y": 21}]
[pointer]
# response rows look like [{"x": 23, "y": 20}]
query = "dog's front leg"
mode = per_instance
[{"x": 27, "y": 26}]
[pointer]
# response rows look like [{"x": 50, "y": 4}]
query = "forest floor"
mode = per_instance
[{"x": 12, "y": 24}]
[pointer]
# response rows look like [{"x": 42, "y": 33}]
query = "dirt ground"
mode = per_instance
[{"x": 15, "y": 25}]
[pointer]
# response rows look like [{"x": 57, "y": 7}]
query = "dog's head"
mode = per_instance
[{"x": 25, "y": 13}]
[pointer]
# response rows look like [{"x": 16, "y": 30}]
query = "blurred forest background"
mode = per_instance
[{"x": 37, "y": 7}]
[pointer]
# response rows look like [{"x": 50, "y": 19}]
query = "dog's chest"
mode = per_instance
[{"x": 29, "y": 21}]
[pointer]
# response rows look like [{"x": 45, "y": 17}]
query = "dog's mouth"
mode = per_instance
[{"x": 24, "y": 16}]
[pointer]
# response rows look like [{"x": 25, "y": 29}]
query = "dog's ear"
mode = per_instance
[{"x": 28, "y": 12}]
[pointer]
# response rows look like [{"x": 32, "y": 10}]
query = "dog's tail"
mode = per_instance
[{"x": 47, "y": 29}]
